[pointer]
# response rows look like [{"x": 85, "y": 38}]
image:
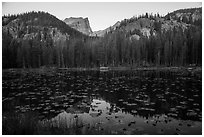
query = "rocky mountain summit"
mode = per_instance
[{"x": 80, "y": 24}]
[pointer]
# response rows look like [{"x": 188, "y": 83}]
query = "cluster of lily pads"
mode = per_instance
[{"x": 136, "y": 93}]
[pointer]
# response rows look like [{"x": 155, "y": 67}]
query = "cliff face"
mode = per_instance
[{"x": 80, "y": 24}]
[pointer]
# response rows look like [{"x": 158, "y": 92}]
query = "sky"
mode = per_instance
[{"x": 100, "y": 14}]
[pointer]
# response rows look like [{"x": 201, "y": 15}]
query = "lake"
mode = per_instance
[{"x": 94, "y": 102}]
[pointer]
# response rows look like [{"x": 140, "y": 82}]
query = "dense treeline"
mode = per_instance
[
  {"x": 169, "y": 48},
  {"x": 177, "y": 47}
]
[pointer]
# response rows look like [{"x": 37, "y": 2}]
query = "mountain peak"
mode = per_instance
[{"x": 80, "y": 24}]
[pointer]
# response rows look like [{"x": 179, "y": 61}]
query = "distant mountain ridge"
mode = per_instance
[
  {"x": 148, "y": 24},
  {"x": 142, "y": 24}
]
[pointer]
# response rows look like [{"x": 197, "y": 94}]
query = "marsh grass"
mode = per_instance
[
  {"x": 28, "y": 124},
  {"x": 19, "y": 124}
]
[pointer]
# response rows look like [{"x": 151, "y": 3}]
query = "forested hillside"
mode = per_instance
[
  {"x": 39, "y": 39},
  {"x": 36, "y": 39}
]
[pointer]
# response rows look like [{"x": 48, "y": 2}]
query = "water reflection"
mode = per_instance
[
  {"x": 103, "y": 117},
  {"x": 113, "y": 102}
]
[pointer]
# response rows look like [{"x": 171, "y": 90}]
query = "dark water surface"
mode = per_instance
[{"x": 113, "y": 102}]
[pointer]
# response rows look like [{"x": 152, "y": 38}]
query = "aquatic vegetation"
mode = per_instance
[{"x": 94, "y": 102}]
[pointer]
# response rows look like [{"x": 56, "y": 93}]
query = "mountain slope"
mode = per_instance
[
  {"x": 149, "y": 24},
  {"x": 35, "y": 19},
  {"x": 142, "y": 25},
  {"x": 190, "y": 16}
]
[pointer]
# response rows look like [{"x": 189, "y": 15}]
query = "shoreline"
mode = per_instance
[{"x": 188, "y": 69}]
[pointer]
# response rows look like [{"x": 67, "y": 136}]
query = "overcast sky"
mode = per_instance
[{"x": 101, "y": 15}]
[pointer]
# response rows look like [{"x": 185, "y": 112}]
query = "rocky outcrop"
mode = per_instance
[
  {"x": 134, "y": 37},
  {"x": 186, "y": 15},
  {"x": 170, "y": 24},
  {"x": 80, "y": 24}
]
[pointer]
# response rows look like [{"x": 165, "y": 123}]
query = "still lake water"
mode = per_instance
[{"x": 113, "y": 102}]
